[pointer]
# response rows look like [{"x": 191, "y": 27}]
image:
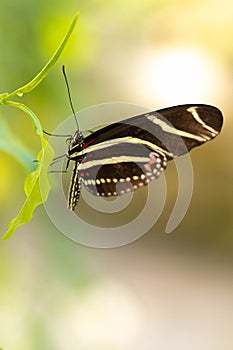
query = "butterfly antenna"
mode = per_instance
[{"x": 69, "y": 95}]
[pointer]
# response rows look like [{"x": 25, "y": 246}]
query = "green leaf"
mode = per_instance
[
  {"x": 36, "y": 184},
  {"x": 26, "y": 109},
  {"x": 36, "y": 187},
  {"x": 12, "y": 145}
]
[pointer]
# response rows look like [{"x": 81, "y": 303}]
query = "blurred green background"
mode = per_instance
[{"x": 162, "y": 291}]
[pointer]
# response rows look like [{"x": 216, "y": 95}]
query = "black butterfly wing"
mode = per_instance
[
  {"x": 120, "y": 169},
  {"x": 174, "y": 130}
]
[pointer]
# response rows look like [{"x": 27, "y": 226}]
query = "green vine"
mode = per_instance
[{"x": 36, "y": 185}]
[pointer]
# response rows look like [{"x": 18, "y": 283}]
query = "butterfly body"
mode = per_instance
[{"x": 126, "y": 155}]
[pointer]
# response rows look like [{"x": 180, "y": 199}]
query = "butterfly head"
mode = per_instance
[{"x": 76, "y": 140}]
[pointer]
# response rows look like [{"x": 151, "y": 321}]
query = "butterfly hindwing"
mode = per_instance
[{"x": 121, "y": 169}]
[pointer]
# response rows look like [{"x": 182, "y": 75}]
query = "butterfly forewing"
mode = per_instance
[{"x": 174, "y": 130}]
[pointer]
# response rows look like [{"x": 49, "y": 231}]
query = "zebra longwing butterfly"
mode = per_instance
[
  {"x": 126, "y": 155},
  {"x": 123, "y": 156}
]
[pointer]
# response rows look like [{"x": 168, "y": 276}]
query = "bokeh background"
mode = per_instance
[{"x": 162, "y": 291}]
